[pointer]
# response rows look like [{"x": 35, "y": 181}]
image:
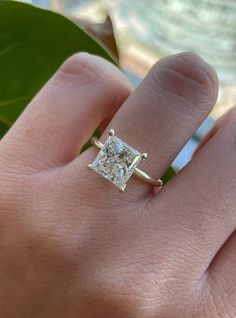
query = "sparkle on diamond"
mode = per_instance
[{"x": 116, "y": 161}]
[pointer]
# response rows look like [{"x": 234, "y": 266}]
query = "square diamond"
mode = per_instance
[{"x": 116, "y": 161}]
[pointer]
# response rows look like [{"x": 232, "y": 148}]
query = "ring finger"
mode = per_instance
[{"x": 160, "y": 116}]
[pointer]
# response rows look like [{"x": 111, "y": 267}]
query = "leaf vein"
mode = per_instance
[{"x": 13, "y": 100}]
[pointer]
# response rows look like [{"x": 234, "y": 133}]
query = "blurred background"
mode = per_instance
[{"x": 140, "y": 32}]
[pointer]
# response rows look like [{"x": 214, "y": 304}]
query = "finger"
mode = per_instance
[
  {"x": 85, "y": 91},
  {"x": 222, "y": 271},
  {"x": 211, "y": 133},
  {"x": 201, "y": 199},
  {"x": 162, "y": 114}
]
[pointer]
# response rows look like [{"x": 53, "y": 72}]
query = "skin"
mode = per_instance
[{"x": 72, "y": 245}]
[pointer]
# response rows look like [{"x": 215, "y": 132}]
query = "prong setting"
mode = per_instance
[
  {"x": 122, "y": 189},
  {"x": 144, "y": 156},
  {"x": 111, "y": 132},
  {"x": 116, "y": 160}
]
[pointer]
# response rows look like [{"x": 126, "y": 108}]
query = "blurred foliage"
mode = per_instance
[
  {"x": 33, "y": 43},
  {"x": 103, "y": 31},
  {"x": 168, "y": 175}
]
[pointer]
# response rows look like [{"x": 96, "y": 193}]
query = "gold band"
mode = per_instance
[{"x": 137, "y": 172}]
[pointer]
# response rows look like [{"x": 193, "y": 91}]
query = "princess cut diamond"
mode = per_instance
[{"x": 116, "y": 161}]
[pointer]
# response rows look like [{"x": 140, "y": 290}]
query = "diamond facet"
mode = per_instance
[{"x": 116, "y": 161}]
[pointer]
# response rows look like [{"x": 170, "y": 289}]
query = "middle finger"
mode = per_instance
[{"x": 161, "y": 115}]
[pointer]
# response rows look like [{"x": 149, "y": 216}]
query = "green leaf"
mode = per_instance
[
  {"x": 169, "y": 174},
  {"x": 33, "y": 43}
]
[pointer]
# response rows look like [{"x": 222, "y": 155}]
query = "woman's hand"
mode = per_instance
[{"x": 72, "y": 245}]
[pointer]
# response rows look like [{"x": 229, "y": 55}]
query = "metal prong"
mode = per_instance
[
  {"x": 89, "y": 167},
  {"x": 111, "y": 132},
  {"x": 144, "y": 155},
  {"x": 122, "y": 189}
]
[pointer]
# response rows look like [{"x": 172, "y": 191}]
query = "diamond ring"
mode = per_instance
[{"x": 117, "y": 162}]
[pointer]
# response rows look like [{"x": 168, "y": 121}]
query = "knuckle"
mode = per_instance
[
  {"x": 72, "y": 63},
  {"x": 92, "y": 70},
  {"x": 187, "y": 80},
  {"x": 81, "y": 65}
]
